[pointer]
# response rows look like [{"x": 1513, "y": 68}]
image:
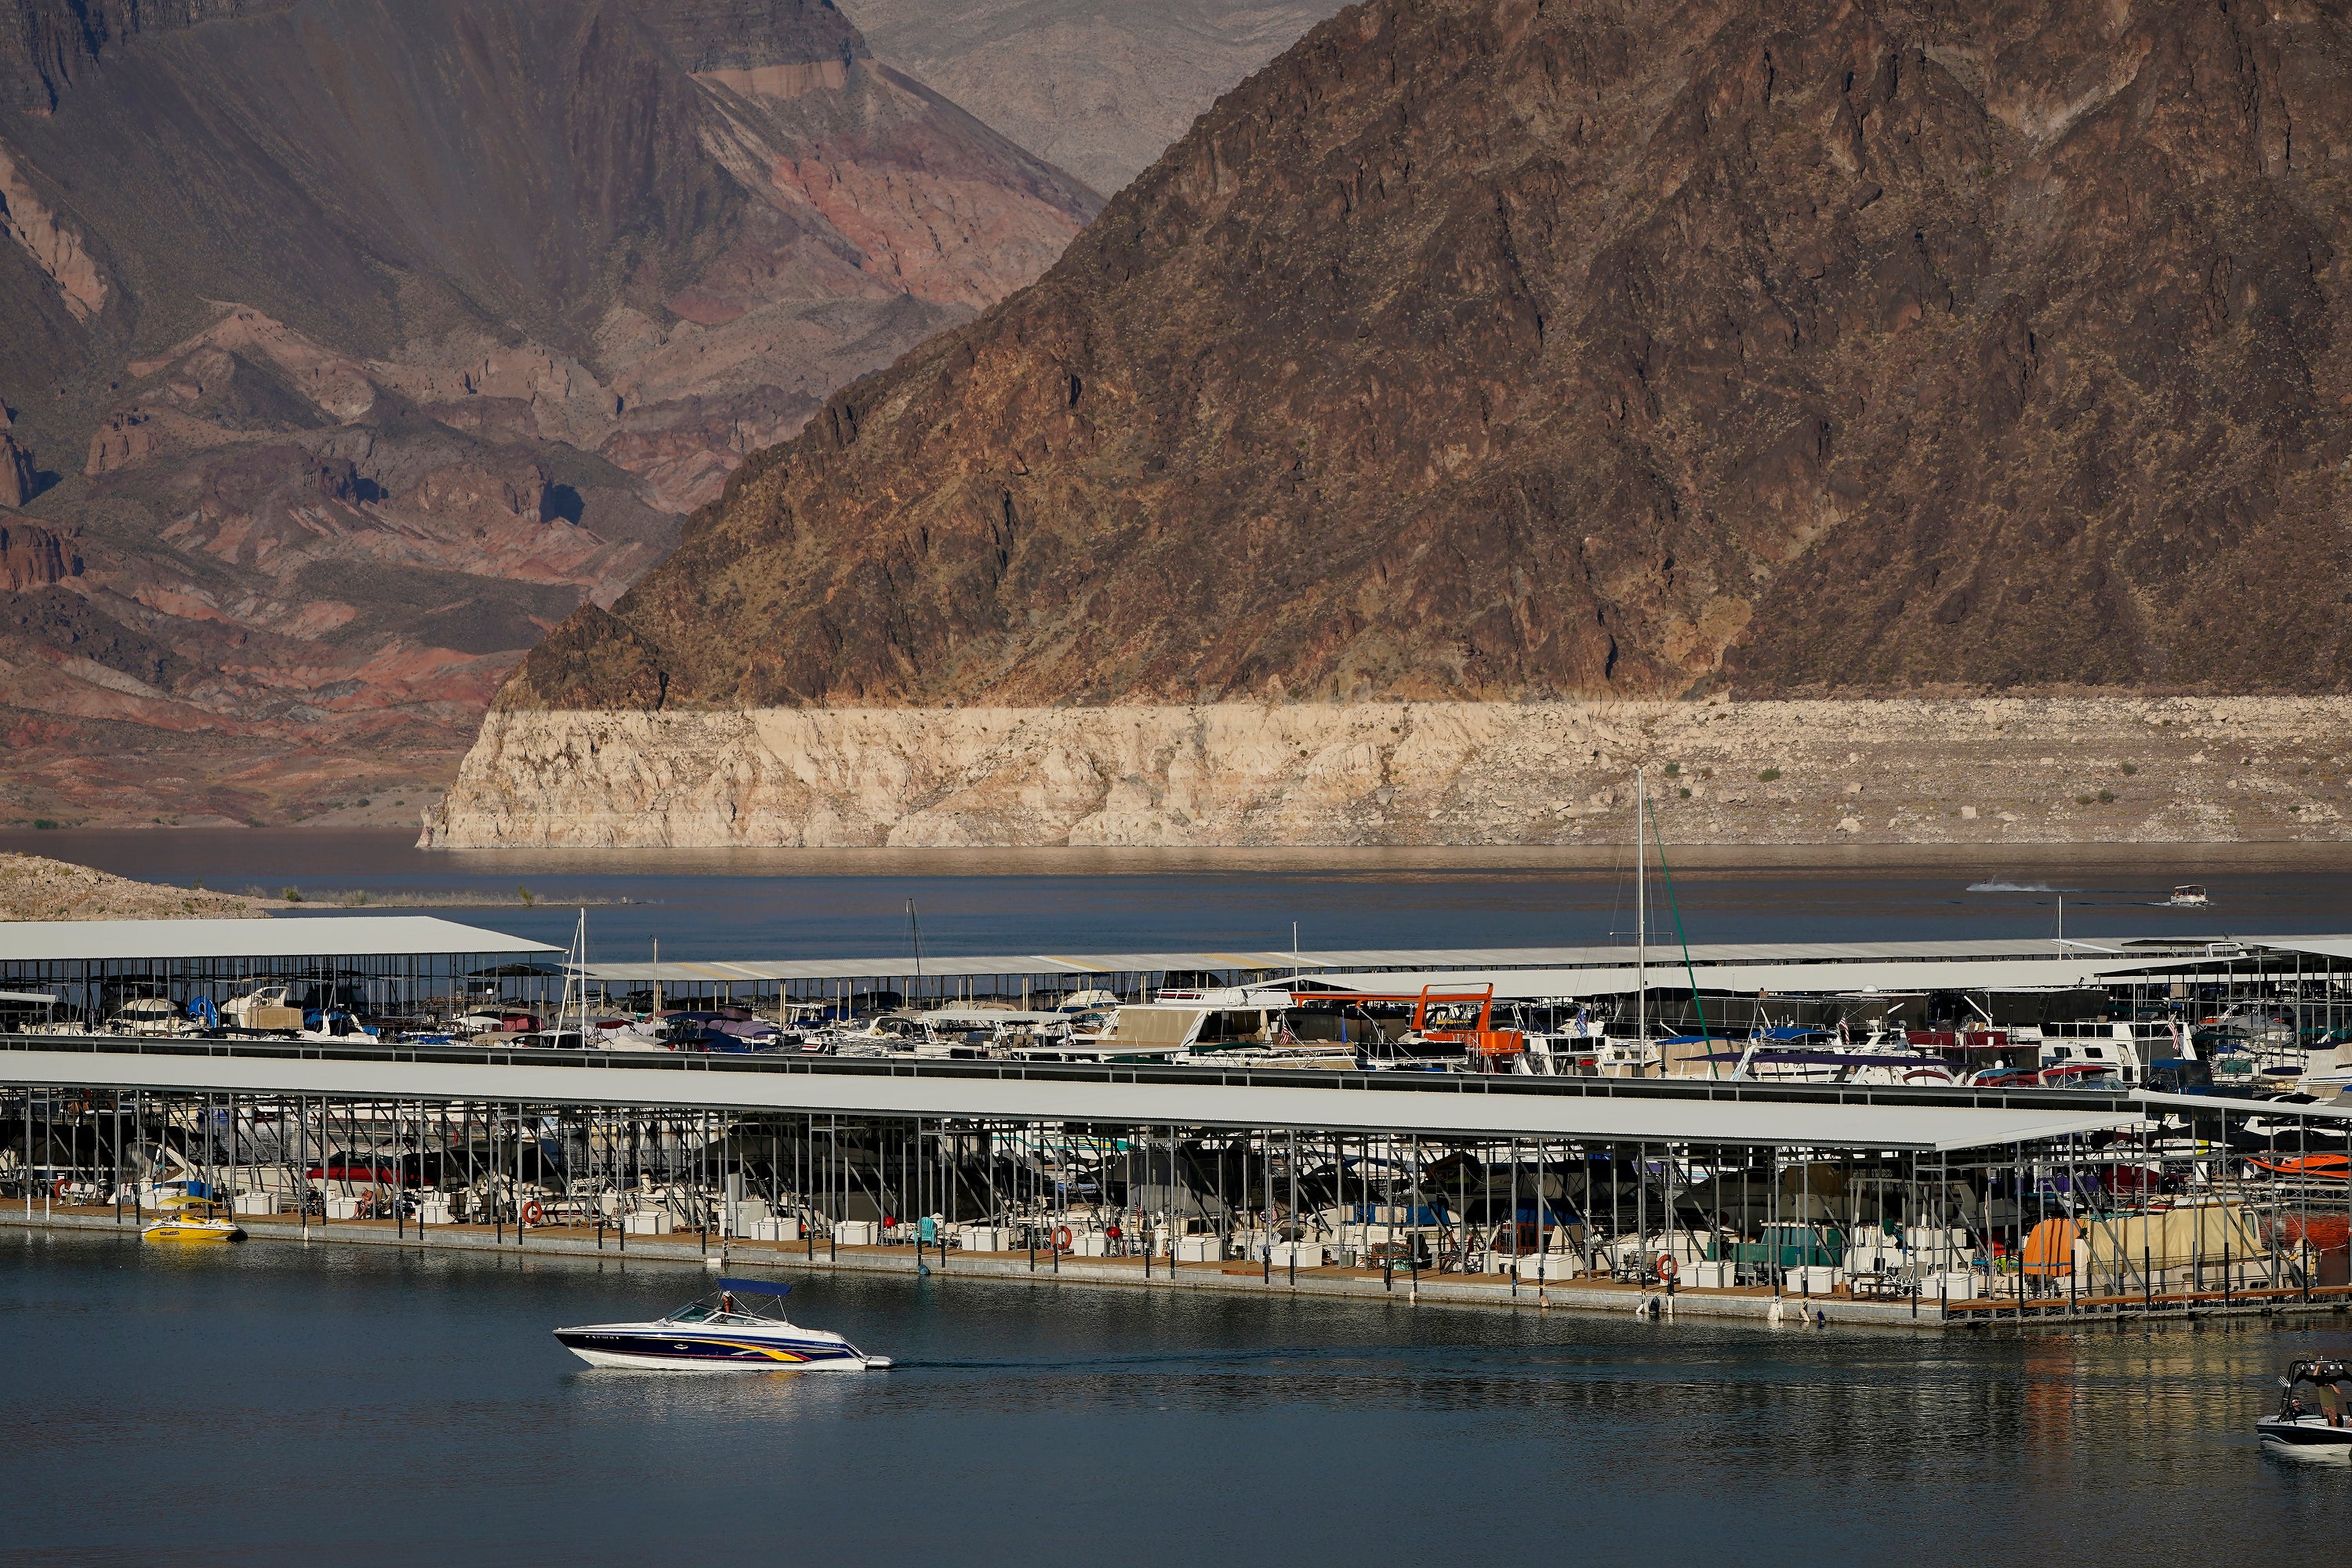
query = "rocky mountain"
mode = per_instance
[
  {"x": 348, "y": 345},
  {"x": 1100, "y": 91},
  {"x": 1489, "y": 352}
]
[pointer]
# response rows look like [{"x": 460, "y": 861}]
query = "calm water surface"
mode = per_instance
[
  {"x": 263, "y": 1405},
  {"x": 266, "y": 1405},
  {"x": 756, "y": 904}
]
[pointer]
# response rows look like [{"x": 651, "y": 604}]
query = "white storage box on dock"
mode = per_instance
[
  {"x": 1709, "y": 1276},
  {"x": 1954, "y": 1285},
  {"x": 646, "y": 1222},
  {"x": 1091, "y": 1244},
  {"x": 982, "y": 1239},
  {"x": 1548, "y": 1265},
  {"x": 433, "y": 1211},
  {"x": 1200, "y": 1250},
  {"x": 1817, "y": 1280},
  {"x": 748, "y": 1213},
  {"x": 1297, "y": 1254},
  {"x": 857, "y": 1233},
  {"x": 342, "y": 1208},
  {"x": 775, "y": 1229},
  {"x": 255, "y": 1202}
]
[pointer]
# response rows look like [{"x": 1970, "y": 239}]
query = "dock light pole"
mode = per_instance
[
  {"x": 1293, "y": 1162},
  {"x": 1413, "y": 1243}
]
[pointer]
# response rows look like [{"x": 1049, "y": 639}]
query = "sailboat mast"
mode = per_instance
[
  {"x": 1641, "y": 912},
  {"x": 579, "y": 976}
]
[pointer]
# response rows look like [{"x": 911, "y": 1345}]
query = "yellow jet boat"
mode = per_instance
[{"x": 192, "y": 1228}]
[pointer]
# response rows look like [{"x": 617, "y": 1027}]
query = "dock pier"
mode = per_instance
[{"x": 1893, "y": 1205}]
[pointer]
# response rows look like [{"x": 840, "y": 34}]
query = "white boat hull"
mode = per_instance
[
  {"x": 658, "y": 1347},
  {"x": 639, "y": 1363},
  {"x": 2309, "y": 1438}
]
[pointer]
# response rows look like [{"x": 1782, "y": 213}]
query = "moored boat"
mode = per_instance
[
  {"x": 720, "y": 1333},
  {"x": 192, "y": 1227}
]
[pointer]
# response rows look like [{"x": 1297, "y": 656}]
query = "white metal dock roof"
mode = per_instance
[
  {"x": 2032, "y": 964},
  {"x": 1666, "y": 974},
  {"x": 318, "y": 936},
  {"x": 1450, "y": 1104},
  {"x": 904, "y": 967},
  {"x": 1353, "y": 959}
]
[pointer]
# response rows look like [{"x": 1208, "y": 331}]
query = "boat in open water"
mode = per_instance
[
  {"x": 720, "y": 1332},
  {"x": 2300, "y": 1432}
]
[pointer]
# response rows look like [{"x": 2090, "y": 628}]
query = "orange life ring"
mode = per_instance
[
  {"x": 58, "y": 1193},
  {"x": 1667, "y": 1267},
  {"x": 532, "y": 1213},
  {"x": 1061, "y": 1239}
]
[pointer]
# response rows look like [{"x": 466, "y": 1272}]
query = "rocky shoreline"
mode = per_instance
[
  {"x": 2017, "y": 769},
  {"x": 36, "y": 887}
]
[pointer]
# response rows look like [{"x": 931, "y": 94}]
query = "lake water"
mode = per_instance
[
  {"x": 272, "y": 1405},
  {"x": 266, "y": 1404},
  {"x": 764, "y": 904}
]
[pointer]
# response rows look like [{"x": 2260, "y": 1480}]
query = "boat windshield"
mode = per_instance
[{"x": 726, "y": 1309}]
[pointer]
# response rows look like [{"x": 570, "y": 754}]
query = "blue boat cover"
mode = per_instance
[{"x": 756, "y": 1287}]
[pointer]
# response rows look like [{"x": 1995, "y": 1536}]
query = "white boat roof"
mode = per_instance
[
  {"x": 314, "y": 936},
  {"x": 2036, "y": 964}
]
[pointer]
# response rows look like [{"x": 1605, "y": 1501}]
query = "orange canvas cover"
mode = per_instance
[{"x": 2049, "y": 1249}]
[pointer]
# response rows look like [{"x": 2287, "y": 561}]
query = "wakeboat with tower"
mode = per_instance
[{"x": 2302, "y": 1432}]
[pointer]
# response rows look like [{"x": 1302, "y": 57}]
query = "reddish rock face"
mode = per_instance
[
  {"x": 1484, "y": 349},
  {"x": 33, "y": 557},
  {"x": 373, "y": 339},
  {"x": 16, "y": 472}
]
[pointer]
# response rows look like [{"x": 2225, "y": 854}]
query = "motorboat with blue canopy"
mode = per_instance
[{"x": 739, "y": 1327}]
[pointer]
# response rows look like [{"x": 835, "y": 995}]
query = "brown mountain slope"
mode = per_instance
[
  {"x": 1479, "y": 349},
  {"x": 353, "y": 344},
  {"x": 1100, "y": 91}
]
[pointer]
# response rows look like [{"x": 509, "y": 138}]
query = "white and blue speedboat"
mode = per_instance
[{"x": 720, "y": 1332}]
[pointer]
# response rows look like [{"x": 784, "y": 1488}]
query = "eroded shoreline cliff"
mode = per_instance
[{"x": 2031, "y": 769}]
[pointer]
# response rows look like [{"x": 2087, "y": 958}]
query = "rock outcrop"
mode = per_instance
[
  {"x": 371, "y": 339},
  {"x": 16, "y": 473},
  {"x": 33, "y": 557},
  {"x": 1895, "y": 771}
]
